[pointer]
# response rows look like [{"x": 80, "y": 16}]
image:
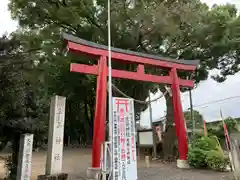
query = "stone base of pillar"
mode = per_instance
[
  {"x": 61, "y": 176},
  {"x": 93, "y": 173},
  {"x": 182, "y": 164}
]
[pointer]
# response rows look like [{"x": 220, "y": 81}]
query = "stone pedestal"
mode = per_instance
[
  {"x": 61, "y": 176},
  {"x": 147, "y": 161},
  {"x": 93, "y": 173},
  {"x": 144, "y": 151},
  {"x": 182, "y": 164}
]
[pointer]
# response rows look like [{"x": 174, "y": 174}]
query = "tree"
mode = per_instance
[
  {"x": 21, "y": 108},
  {"x": 197, "y": 119},
  {"x": 217, "y": 129},
  {"x": 177, "y": 29},
  {"x": 232, "y": 127},
  {"x": 56, "y": 65}
]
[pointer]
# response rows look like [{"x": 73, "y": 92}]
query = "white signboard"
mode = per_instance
[
  {"x": 124, "y": 140},
  {"x": 146, "y": 138},
  {"x": 55, "y": 136},
  {"x": 25, "y": 157}
]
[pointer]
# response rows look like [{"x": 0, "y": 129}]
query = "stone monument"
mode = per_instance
[
  {"x": 55, "y": 141},
  {"x": 25, "y": 157}
]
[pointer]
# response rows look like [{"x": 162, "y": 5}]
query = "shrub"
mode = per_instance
[
  {"x": 216, "y": 160},
  {"x": 205, "y": 143},
  {"x": 206, "y": 152},
  {"x": 196, "y": 158},
  {"x": 198, "y": 135}
]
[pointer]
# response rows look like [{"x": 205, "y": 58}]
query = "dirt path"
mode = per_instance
[{"x": 76, "y": 162}]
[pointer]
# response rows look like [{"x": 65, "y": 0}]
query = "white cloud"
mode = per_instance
[
  {"x": 207, "y": 91},
  {"x": 212, "y": 2},
  {"x": 237, "y": 3},
  {"x": 7, "y": 24}
]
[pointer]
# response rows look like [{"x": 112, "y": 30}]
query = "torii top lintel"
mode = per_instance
[{"x": 80, "y": 45}]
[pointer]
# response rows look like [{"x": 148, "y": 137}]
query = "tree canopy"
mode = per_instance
[
  {"x": 22, "y": 108},
  {"x": 197, "y": 119}
]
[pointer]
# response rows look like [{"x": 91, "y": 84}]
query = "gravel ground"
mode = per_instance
[
  {"x": 171, "y": 173},
  {"x": 76, "y": 162}
]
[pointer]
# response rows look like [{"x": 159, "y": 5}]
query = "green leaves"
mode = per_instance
[
  {"x": 206, "y": 153},
  {"x": 19, "y": 111},
  {"x": 216, "y": 161},
  {"x": 177, "y": 29}
]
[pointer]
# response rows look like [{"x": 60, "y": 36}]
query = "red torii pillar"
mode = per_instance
[{"x": 100, "y": 70}]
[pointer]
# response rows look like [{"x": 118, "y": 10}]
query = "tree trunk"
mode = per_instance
[
  {"x": 169, "y": 136},
  {"x": 88, "y": 124},
  {"x": 69, "y": 141},
  {"x": 91, "y": 118},
  {"x": 15, "y": 152},
  {"x": 3, "y": 143}
]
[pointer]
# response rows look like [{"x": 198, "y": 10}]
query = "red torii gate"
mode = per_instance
[{"x": 76, "y": 44}]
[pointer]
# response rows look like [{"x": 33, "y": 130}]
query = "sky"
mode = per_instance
[
  {"x": 6, "y": 23},
  {"x": 212, "y": 2},
  {"x": 207, "y": 91}
]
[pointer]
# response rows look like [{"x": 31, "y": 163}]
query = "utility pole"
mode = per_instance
[
  {"x": 191, "y": 109},
  {"x": 153, "y": 133},
  {"x": 191, "y": 112},
  {"x": 194, "y": 126}
]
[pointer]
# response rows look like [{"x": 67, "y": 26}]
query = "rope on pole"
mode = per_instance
[{"x": 136, "y": 100}]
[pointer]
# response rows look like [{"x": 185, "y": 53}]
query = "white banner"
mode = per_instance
[{"x": 124, "y": 140}]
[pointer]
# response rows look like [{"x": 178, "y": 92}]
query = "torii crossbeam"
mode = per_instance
[{"x": 76, "y": 44}]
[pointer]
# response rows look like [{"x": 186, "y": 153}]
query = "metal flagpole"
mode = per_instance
[
  {"x": 109, "y": 87},
  {"x": 109, "y": 73},
  {"x": 110, "y": 105}
]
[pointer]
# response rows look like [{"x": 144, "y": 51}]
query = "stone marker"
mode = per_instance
[
  {"x": 55, "y": 140},
  {"x": 147, "y": 161},
  {"x": 25, "y": 157}
]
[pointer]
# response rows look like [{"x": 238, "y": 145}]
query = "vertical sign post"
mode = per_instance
[
  {"x": 55, "y": 135},
  {"x": 25, "y": 157},
  {"x": 124, "y": 157}
]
